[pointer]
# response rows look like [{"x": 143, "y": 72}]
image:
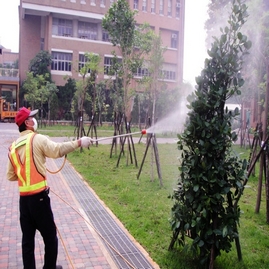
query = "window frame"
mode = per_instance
[
  {"x": 62, "y": 27},
  {"x": 178, "y": 6},
  {"x": 82, "y": 59},
  {"x": 174, "y": 40},
  {"x": 144, "y": 5},
  {"x": 87, "y": 30},
  {"x": 153, "y": 6},
  {"x": 108, "y": 63},
  {"x": 169, "y": 8},
  {"x": 62, "y": 62},
  {"x": 161, "y": 7},
  {"x": 136, "y": 4}
]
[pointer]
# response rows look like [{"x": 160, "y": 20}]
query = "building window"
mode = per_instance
[
  {"x": 136, "y": 4},
  {"x": 93, "y": 3},
  {"x": 105, "y": 36},
  {"x": 144, "y": 5},
  {"x": 169, "y": 8},
  {"x": 87, "y": 30},
  {"x": 111, "y": 2},
  {"x": 161, "y": 7},
  {"x": 108, "y": 62},
  {"x": 102, "y": 3},
  {"x": 177, "y": 9},
  {"x": 61, "y": 61},
  {"x": 174, "y": 40},
  {"x": 168, "y": 72},
  {"x": 168, "y": 75},
  {"x": 108, "y": 65},
  {"x": 62, "y": 27},
  {"x": 82, "y": 60},
  {"x": 142, "y": 72},
  {"x": 152, "y": 6}
]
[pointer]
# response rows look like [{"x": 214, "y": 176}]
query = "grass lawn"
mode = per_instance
[{"x": 142, "y": 205}]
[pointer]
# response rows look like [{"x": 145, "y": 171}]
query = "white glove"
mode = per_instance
[{"x": 85, "y": 141}]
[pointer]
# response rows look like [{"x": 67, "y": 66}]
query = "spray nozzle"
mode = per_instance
[{"x": 144, "y": 131}]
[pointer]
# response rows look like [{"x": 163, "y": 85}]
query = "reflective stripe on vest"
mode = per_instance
[{"x": 30, "y": 181}]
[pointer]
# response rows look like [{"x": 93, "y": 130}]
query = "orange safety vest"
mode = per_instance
[{"x": 30, "y": 181}]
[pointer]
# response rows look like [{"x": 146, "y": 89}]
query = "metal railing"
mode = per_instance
[{"x": 9, "y": 72}]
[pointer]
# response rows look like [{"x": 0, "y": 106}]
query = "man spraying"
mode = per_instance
[{"x": 27, "y": 165}]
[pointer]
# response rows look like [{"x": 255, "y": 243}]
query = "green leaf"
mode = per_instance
[
  {"x": 196, "y": 188},
  {"x": 193, "y": 223},
  {"x": 225, "y": 231}
]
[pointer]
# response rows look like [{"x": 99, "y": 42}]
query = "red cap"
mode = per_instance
[{"x": 23, "y": 115}]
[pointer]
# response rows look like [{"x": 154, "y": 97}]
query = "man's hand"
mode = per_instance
[{"x": 85, "y": 141}]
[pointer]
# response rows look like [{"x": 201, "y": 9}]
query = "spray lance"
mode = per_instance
[{"x": 144, "y": 131}]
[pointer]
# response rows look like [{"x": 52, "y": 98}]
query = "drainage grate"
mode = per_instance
[{"x": 104, "y": 223}]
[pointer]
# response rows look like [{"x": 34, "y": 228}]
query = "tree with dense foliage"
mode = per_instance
[
  {"x": 38, "y": 88},
  {"x": 40, "y": 64},
  {"x": 255, "y": 72},
  {"x": 212, "y": 177},
  {"x": 66, "y": 95},
  {"x": 49, "y": 91},
  {"x": 30, "y": 88},
  {"x": 38, "y": 91}
]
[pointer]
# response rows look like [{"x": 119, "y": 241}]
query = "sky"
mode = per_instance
[{"x": 194, "y": 47}]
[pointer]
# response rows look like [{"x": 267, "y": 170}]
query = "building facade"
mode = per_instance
[
  {"x": 69, "y": 28},
  {"x": 8, "y": 59}
]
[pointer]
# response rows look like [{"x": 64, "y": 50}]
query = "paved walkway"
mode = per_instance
[{"x": 83, "y": 242}]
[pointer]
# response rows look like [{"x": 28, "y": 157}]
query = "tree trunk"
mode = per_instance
[
  {"x": 267, "y": 189},
  {"x": 259, "y": 193}
]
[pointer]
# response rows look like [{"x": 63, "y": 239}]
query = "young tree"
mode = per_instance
[
  {"x": 132, "y": 42},
  {"x": 100, "y": 100},
  {"x": 153, "y": 86},
  {"x": 212, "y": 177},
  {"x": 154, "y": 79},
  {"x": 38, "y": 91},
  {"x": 88, "y": 79}
]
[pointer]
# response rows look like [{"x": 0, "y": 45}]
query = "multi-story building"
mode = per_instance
[{"x": 69, "y": 28}]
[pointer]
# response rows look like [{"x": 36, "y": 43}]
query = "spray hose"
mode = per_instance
[
  {"x": 55, "y": 172},
  {"x": 97, "y": 232}
]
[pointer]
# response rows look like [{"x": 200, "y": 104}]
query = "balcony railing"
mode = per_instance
[{"x": 9, "y": 73}]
